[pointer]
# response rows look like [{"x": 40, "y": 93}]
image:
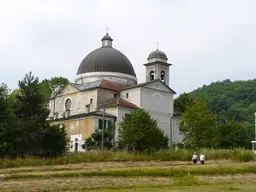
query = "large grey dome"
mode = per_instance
[
  {"x": 157, "y": 54},
  {"x": 106, "y": 59}
]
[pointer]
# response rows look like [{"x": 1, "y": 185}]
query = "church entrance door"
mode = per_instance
[{"x": 76, "y": 147}]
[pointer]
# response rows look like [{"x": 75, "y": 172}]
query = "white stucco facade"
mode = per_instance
[
  {"x": 176, "y": 135},
  {"x": 119, "y": 112},
  {"x": 157, "y": 100},
  {"x": 76, "y": 143}
]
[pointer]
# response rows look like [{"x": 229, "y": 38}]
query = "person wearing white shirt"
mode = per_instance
[
  {"x": 194, "y": 158},
  {"x": 202, "y": 158}
]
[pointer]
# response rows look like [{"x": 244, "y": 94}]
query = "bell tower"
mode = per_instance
[{"x": 157, "y": 67}]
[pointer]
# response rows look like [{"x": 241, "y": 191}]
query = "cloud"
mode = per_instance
[{"x": 205, "y": 40}]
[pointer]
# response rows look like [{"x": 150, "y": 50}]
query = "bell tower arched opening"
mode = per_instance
[
  {"x": 152, "y": 75},
  {"x": 162, "y": 76}
]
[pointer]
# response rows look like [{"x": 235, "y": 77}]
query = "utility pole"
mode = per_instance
[
  {"x": 54, "y": 97},
  {"x": 103, "y": 126},
  {"x": 255, "y": 124},
  {"x": 171, "y": 124}
]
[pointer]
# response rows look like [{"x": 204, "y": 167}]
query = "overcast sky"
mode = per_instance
[{"x": 205, "y": 41}]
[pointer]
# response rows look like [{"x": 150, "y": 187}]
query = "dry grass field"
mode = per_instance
[{"x": 173, "y": 176}]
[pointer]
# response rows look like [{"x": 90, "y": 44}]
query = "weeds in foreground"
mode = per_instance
[{"x": 104, "y": 156}]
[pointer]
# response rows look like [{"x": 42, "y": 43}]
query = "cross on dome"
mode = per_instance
[
  {"x": 157, "y": 44},
  {"x": 107, "y": 29}
]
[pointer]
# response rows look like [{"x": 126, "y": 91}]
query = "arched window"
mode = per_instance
[
  {"x": 152, "y": 75},
  {"x": 68, "y": 104},
  {"x": 162, "y": 75}
]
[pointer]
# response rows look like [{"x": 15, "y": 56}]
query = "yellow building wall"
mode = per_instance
[{"x": 84, "y": 126}]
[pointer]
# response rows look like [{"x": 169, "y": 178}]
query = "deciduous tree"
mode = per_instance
[
  {"x": 139, "y": 132},
  {"x": 50, "y": 87},
  {"x": 199, "y": 125},
  {"x": 233, "y": 134},
  {"x": 182, "y": 102},
  {"x": 94, "y": 141}
]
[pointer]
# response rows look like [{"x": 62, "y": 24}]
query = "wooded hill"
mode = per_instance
[
  {"x": 223, "y": 111},
  {"x": 230, "y": 100}
]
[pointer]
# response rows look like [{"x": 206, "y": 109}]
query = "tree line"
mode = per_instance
[{"x": 24, "y": 130}]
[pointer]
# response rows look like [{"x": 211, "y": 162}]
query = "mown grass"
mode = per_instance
[
  {"x": 135, "y": 172},
  {"x": 120, "y": 175},
  {"x": 104, "y": 156},
  {"x": 125, "y": 183},
  {"x": 207, "y": 188}
]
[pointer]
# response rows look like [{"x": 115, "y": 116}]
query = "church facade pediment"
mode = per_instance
[
  {"x": 68, "y": 89},
  {"x": 158, "y": 85}
]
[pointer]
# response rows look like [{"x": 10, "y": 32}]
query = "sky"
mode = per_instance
[{"x": 206, "y": 41}]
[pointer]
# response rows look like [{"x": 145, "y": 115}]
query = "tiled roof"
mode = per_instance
[
  {"x": 109, "y": 85},
  {"x": 119, "y": 102}
]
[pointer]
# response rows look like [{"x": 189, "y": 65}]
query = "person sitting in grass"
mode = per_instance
[
  {"x": 202, "y": 158},
  {"x": 194, "y": 158}
]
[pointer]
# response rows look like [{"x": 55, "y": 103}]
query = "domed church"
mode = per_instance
[{"x": 106, "y": 88}]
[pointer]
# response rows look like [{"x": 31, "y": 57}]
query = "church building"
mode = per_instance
[{"x": 106, "y": 88}]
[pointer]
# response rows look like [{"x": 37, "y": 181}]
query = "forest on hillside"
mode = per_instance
[
  {"x": 231, "y": 106},
  {"x": 230, "y": 99}
]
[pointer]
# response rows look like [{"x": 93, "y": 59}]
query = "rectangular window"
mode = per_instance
[
  {"x": 91, "y": 101},
  {"x": 109, "y": 124},
  {"x": 100, "y": 124},
  {"x": 127, "y": 95},
  {"x": 105, "y": 124}
]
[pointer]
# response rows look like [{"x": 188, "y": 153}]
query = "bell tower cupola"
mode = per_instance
[{"x": 157, "y": 67}]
